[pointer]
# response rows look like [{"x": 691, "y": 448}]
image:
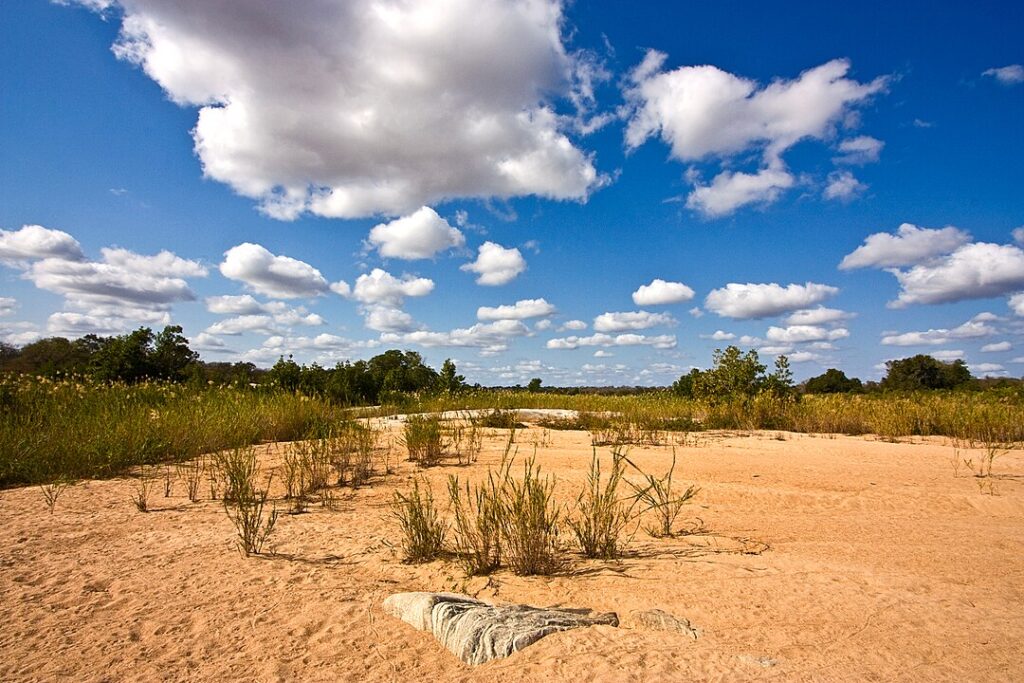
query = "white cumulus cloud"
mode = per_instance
[
  {"x": 281, "y": 277},
  {"x": 997, "y": 347},
  {"x": 382, "y": 288},
  {"x": 495, "y": 265},
  {"x": 817, "y": 316},
  {"x": 349, "y": 108},
  {"x": 631, "y": 320},
  {"x": 34, "y": 242},
  {"x": 419, "y": 235},
  {"x": 703, "y": 112},
  {"x": 520, "y": 310},
  {"x": 909, "y": 246},
  {"x": 937, "y": 337},
  {"x": 843, "y": 186},
  {"x": 751, "y": 301},
  {"x": 660, "y": 292},
  {"x": 795, "y": 334},
  {"x": 974, "y": 271}
]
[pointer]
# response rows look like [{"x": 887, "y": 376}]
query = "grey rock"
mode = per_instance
[{"x": 477, "y": 632}]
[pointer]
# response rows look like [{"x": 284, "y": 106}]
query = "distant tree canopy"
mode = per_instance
[
  {"x": 128, "y": 358},
  {"x": 735, "y": 375},
  {"x": 833, "y": 381},
  {"x": 142, "y": 355},
  {"x": 924, "y": 372}
]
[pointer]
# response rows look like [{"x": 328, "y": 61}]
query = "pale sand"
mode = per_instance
[{"x": 881, "y": 566}]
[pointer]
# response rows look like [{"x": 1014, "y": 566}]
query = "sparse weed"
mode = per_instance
[
  {"x": 601, "y": 515},
  {"x": 423, "y": 530},
  {"x": 657, "y": 495},
  {"x": 247, "y": 512},
  {"x": 477, "y": 528},
  {"x": 52, "y": 491},
  {"x": 529, "y": 518}
]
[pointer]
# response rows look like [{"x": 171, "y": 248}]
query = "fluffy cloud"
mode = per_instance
[
  {"x": 73, "y": 324},
  {"x": 521, "y": 310},
  {"x": 164, "y": 264},
  {"x": 7, "y": 305},
  {"x": 1018, "y": 235},
  {"x": 379, "y": 287},
  {"x": 34, "y": 242},
  {"x": 492, "y": 337},
  {"x": 974, "y": 271},
  {"x": 207, "y": 342},
  {"x": 1011, "y": 74},
  {"x": 986, "y": 368},
  {"x": 631, "y": 320},
  {"x": 859, "y": 150},
  {"x": 417, "y": 236},
  {"x": 719, "y": 335},
  {"x": 843, "y": 186},
  {"x": 246, "y": 305},
  {"x": 729, "y": 191},
  {"x": 997, "y": 347},
  {"x": 909, "y": 246},
  {"x": 1016, "y": 303},
  {"x": 496, "y": 265},
  {"x": 704, "y": 112},
  {"x": 663, "y": 341},
  {"x": 362, "y": 107},
  {"x": 795, "y": 334},
  {"x": 18, "y": 333},
  {"x": 281, "y": 277},
  {"x": 572, "y": 326},
  {"x": 388, "y": 319},
  {"x": 88, "y": 283},
  {"x": 751, "y": 301},
  {"x": 817, "y": 316},
  {"x": 937, "y": 337},
  {"x": 660, "y": 292},
  {"x": 244, "y": 324}
]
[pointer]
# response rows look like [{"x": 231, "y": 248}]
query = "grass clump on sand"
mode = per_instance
[
  {"x": 423, "y": 530},
  {"x": 602, "y": 515},
  {"x": 244, "y": 503}
]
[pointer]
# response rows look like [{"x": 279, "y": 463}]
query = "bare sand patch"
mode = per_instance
[{"x": 821, "y": 559}]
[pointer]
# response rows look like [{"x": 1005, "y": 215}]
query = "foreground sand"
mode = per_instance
[{"x": 880, "y": 565}]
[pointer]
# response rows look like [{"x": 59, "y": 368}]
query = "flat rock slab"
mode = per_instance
[{"x": 477, "y": 632}]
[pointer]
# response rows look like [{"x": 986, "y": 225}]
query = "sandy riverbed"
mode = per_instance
[{"x": 880, "y": 565}]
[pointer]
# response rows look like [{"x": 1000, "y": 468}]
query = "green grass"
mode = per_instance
[
  {"x": 70, "y": 430},
  {"x": 78, "y": 430}
]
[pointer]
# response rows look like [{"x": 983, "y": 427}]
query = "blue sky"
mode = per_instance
[{"x": 592, "y": 193}]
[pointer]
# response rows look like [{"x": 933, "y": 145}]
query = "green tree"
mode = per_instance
[
  {"x": 171, "y": 355},
  {"x": 448, "y": 380},
  {"x": 286, "y": 374},
  {"x": 534, "y": 386},
  {"x": 126, "y": 358},
  {"x": 924, "y": 372},
  {"x": 832, "y": 381}
]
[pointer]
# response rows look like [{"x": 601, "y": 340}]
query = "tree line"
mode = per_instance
[{"x": 165, "y": 356}]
